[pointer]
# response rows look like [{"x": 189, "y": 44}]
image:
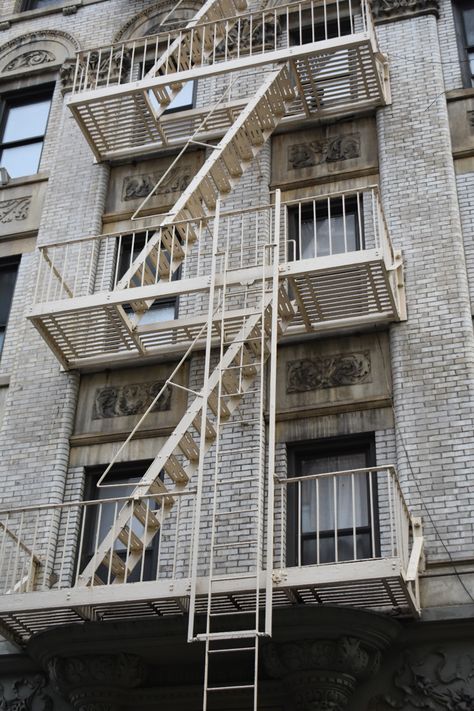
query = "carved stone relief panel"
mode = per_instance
[
  {"x": 110, "y": 403},
  {"x": 330, "y": 151},
  {"x": 334, "y": 374},
  {"x": 20, "y": 207},
  {"x": 461, "y": 123},
  {"x": 28, "y": 693},
  {"x": 131, "y": 184},
  {"x": 388, "y": 10},
  {"x": 36, "y": 51}
]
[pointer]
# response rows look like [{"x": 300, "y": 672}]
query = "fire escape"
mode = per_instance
[{"x": 243, "y": 286}]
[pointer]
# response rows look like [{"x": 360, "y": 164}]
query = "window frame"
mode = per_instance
[
  {"x": 463, "y": 48},
  {"x": 118, "y": 472},
  {"x": 29, "y": 5},
  {"x": 333, "y": 446},
  {"x": 5, "y": 263},
  {"x": 25, "y": 97},
  {"x": 293, "y": 220}
]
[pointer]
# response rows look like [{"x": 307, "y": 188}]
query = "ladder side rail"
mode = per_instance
[{"x": 202, "y": 442}]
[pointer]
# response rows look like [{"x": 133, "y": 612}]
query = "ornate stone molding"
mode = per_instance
[
  {"x": 140, "y": 186},
  {"x": 321, "y": 674},
  {"x": 128, "y": 400},
  {"x": 328, "y": 372},
  {"x": 15, "y": 210},
  {"x": 36, "y": 50},
  {"x": 388, "y": 10},
  {"x": 437, "y": 681},
  {"x": 150, "y": 20},
  {"x": 26, "y": 693},
  {"x": 329, "y": 150},
  {"x": 96, "y": 682}
]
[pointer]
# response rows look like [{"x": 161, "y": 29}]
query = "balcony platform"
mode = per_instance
[
  {"x": 332, "y": 78},
  {"x": 336, "y": 292},
  {"x": 378, "y": 585}
]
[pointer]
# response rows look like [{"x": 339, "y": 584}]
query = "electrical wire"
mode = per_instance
[{"x": 415, "y": 480}]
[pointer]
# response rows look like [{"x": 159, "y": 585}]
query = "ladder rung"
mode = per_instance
[
  {"x": 230, "y": 649},
  {"x": 233, "y": 687},
  {"x": 233, "y": 634},
  {"x": 232, "y": 613}
]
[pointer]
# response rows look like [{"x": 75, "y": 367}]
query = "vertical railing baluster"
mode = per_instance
[
  {"x": 336, "y": 546},
  {"x": 329, "y": 225},
  {"x": 344, "y": 221},
  {"x": 299, "y": 523},
  {"x": 318, "y": 524},
  {"x": 84, "y": 523},
  {"x": 354, "y": 526},
  {"x": 372, "y": 517}
]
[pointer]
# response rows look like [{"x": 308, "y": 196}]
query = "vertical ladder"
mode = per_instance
[{"x": 224, "y": 637}]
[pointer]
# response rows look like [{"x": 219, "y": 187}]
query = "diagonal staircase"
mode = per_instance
[
  {"x": 168, "y": 247},
  {"x": 220, "y": 395}
]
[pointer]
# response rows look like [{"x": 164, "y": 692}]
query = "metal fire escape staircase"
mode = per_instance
[{"x": 241, "y": 361}]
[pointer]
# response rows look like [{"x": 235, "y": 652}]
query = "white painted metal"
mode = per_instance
[
  {"x": 336, "y": 71},
  {"x": 385, "y": 581}
]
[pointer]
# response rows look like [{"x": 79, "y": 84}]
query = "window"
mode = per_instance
[
  {"x": 301, "y": 33},
  {"x": 37, "y": 4},
  {"x": 23, "y": 126},
  {"x": 8, "y": 272},
  {"x": 331, "y": 518},
  {"x": 130, "y": 247},
  {"x": 321, "y": 228},
  {"x": 98, "y": 519},
  {"x": 184, "y": 100},
  {"x": 465, "y": 31}
]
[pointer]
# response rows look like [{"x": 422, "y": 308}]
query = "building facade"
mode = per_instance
[{"x": 237, "y": 354}]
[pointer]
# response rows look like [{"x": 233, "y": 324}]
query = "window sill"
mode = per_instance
[
  {"x": 26, "y": 180},
  {"x": 68, "y": 7},
  {"x": 459, "y": 94}
]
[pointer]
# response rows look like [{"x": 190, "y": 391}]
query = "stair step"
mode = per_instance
[
  {"x": 159, "y": 488},
  {"x": 145, "y": 515},
  {"x": 115, "y": 564},
  {"x": 175, "y": 470},
  {"x": 210, "y": 432},
  {"x": 189, "y": 447},
  {"x": 213, "y": 402},
  {"x": 130, "y": 539},
  {"x": 230, "y": 381}
]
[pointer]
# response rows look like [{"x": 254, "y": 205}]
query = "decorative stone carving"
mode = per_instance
[
  {"x": 102, "y": 69},
  {"x": 149, "y": 21},
  {"x": 96, "y": 682},
  {"x": 15, "y": 210},
  {"x": 126, "y": 400},
  {"x": 400, "y": 9},
  {"x": 31, "y": 59},
  {"x": 36, "y": 49},
  {"x": 434, "y": 681},
  {"x": 470, "y": 118},
  {"x": 140, "y": 186},
  {"x": 328, "y": 372},
  {"x": 330, "y": 150},
  {"x": 243, "y": 36},
  {"x": 321, "y": 675},
  {"x": 28, "y": 695}
]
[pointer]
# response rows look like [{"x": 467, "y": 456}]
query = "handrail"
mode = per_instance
[{"x": 276, "y": 11}]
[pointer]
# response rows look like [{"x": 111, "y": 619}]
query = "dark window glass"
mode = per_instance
[
  {"x": 36, "y": 4},
  {"x": 99, "y": 519},
  {"x": 319, "y": 31},
  {"x": 324, "y": 227},
  {"x": 464, "y": 16},
  {"x": 8, "y": 272},
  {"x": 184, "y": 100},
  {"x": 331, "y": 517},
  {"x": 162, "y": 309},
  {"x": 23, "y": 127}
]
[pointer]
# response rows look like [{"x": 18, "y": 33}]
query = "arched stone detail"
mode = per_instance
[
  {"x": 35, "y": 52},
  {"x": 150, "y": 21}
]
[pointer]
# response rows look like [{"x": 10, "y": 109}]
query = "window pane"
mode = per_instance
[
  {"x": 27, "y": 121},
  {"x": 22, "y": 160},
  {"x": 7, "y": 286},
  {"x": 468, "y": 17},
  {"x": 184, "y": 98}
]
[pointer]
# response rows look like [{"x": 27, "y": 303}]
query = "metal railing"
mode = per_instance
[
  {"x": 248, "y": 35},
  {"x": 319, "y": 226},
  {"x": 320, "y": 519},
  {"x": 46, "y": 547},
  {"x": 342, "y": 516}
]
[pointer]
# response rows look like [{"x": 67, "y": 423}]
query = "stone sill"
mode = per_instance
[
  {"x": 26, "y": 180},
  {"x": 460, "y": 94},
  {"x": 67, "y": 7},
  {"x": 4, "y": 381}
]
